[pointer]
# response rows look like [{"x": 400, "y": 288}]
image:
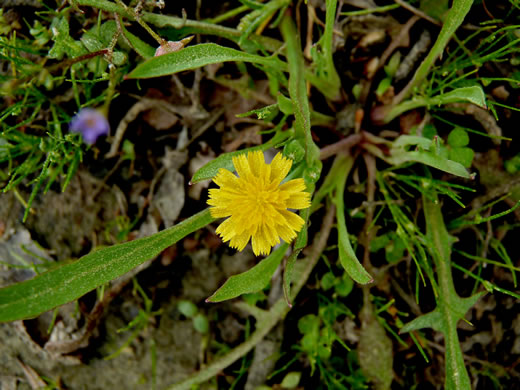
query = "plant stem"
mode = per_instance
[
  {"x": 191, "y": 26},
  {"x": 298, "y": 89},
  {"x": 456, "y": 376},
  {"x": 330, "y": 19},
  {"x": 137, "y": 17}
]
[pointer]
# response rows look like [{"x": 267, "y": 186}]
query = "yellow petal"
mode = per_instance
[
  {"x": 300, "y": 200},
  {"x": 225, "y": 178},
  {"x": 271, "y": 235},
  {"x": 256, "y": 163},
  {"x": 260, "y": 244},
  {"x": 242, "y": 166},
  {"x": 280, "y": 167},
  {"x": 256, "y": 204},
  {"x": 293, "y": 220},
  {"x": 226, "y": 230},
  {"x": 295, "y": 185},
  {"x": 240, "y": 241},
  {"x": 286, "y": 233},
  {"x": 220, "y": 212}
]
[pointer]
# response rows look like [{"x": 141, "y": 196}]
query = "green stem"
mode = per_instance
[
  {"x": 330, "y": 19},
  {"x": 228, "y": 15},
  {"x": 191, "y": 26},
  {"x": 298, "y": 89},
  {"x": 137, "y": 17},
  {"x": 448, "y": 300}
]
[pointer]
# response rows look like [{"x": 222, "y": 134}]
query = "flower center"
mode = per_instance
[{"x": 261, "y": 199}]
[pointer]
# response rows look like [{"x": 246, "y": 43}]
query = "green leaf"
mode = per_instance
[
  {"x": 285, "y": 104},
  {"x": 439, "y": 162},
  {"x": 412, "y": 140},
  {"x": 253, "y": 20},
  {"x": 474, "y": 94},
  {"x": 432, "y": 156},
  {"x": 193, "y": 57},
  {"x": 187, "y": 308},
  {"x": 309, "y": 324},
  {"x": 344, "y": 286},
  {"x": 458, "y": 138},
  {"x": 432, "y": 320},
  {"x": 328, "y": 281},
  {"x": 142, "y": 48},
  {"x": 267, "y": 113},
  {"x": 63, "y": 43},
  {"x": 225, "y": 160},
  {"x": 463, "y": 156},
  {"x": 91, "y": 41},
  {"x": 395, "y": 250},
  {"x": 70, "y": 281},
  {"x": 289, "y": 267},
  {"x": 253, "y": 280},
  {"x": 512, "y": 165},
  {"x": 347, "y": 256},
  {"x": 294, "y": 150},
  {"x": 201, "y": 323},
  {"x": 393, "y": 64},
  {"x": 291, "y": 380},
  {"x": 118, "y": 58}
]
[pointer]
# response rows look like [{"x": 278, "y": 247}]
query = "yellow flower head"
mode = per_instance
[{"x": 257, "y": 204}]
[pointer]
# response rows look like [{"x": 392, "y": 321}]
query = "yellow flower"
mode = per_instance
[{"x": 256, "y": 203}]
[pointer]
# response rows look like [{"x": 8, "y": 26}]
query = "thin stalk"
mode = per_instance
[
  {"x": 330, "y": 19},
  {"x": 298, "y": 89}
]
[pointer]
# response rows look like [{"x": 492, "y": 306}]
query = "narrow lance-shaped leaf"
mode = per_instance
[
  {"x": 193, "y": 57},
  {"x": 474, "y": 94},
  {"x": 70, "y": 281},
  {"x": 426, "y": 154},
  {"x": 288, "y": 271},
  {"x": 253, "y": 280},
  {"x": 142, "y": 48},
  {"x": 347, "y": 256}
]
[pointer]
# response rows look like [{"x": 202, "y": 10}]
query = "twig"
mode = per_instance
[{"x": 341, "y": 146}]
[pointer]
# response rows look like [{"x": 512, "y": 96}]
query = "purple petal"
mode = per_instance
[{"x": 90, "y": 123}]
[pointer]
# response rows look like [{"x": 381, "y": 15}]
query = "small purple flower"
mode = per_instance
[{"x": 90, "y": 123}]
